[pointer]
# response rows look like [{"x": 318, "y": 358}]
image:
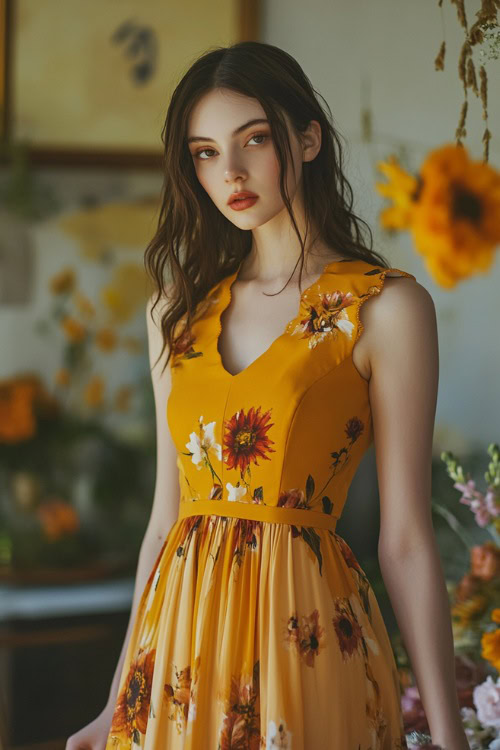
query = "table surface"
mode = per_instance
[{"x": 41, "y": 602}]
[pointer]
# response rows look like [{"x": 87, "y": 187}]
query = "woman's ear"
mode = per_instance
[{"x": 311, "y": 141}]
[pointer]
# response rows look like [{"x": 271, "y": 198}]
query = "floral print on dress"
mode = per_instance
[
  {"x": 246, "y": 439},
  {"x": 183, "y": 346},
  {"x": 241, "y": 718},
  {"x": 306, "y": 635},
  {"x": 178, "y": 695},
  {"x": 221, "y": 584},
  {"x": 325, "y": 318},
  {"x": 131, "y": 714},
  {"x": 305, "y": 499},
  {"x": 278, "y": 735}
]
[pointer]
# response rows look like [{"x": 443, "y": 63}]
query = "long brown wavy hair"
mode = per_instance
[{"x": 195, "y": 244}]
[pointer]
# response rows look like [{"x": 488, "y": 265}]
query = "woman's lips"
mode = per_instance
[{"x": 241, "y": 203}]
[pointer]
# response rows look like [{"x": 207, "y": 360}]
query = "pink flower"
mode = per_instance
[
  {"x": 487, "y": 700},
  {"x": 484, "y": 507}
]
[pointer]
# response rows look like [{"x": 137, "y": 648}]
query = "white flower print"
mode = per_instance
[
  {"x": 278, "y": 735},
  {"x": 235, "y": 493},
  {"x": 200, "y": 447}
]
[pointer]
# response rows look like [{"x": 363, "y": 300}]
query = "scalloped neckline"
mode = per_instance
[{"x": 226, "y": 296}]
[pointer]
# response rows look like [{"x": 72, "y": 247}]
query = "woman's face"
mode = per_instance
[{"x": 229, "y": 158}]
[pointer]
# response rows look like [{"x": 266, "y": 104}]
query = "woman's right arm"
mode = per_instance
[{"x": 164, "y": 513}]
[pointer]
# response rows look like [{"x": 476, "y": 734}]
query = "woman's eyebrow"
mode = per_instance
[{"x": 239, "y": 129}]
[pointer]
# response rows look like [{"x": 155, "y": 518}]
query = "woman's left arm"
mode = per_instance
[{"x": 404, "y": 362}]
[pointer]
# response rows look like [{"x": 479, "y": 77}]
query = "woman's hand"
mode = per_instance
[{"x": 93, "y": 736}]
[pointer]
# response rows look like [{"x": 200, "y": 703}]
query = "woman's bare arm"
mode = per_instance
[
  {"x": 165, "y": 506},
  {"x": 402, "y": 346}
]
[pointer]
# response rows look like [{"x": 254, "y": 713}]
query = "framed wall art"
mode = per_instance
[{"x": 88, "y": 83}]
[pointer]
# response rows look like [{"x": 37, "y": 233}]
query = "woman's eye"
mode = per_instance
[{"x": 204, "y": 150}]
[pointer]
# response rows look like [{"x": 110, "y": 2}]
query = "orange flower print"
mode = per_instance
[
  {"x": 246, "y": 439},
  {"x": 179, "y": 696},
  {"x": 326, "y": 318},
  {"x": 241, "y": 721},
  {"x": 132, "y": 708},
  {"x": 308, "y": 636},
  {"x": 347, "y": 628}
]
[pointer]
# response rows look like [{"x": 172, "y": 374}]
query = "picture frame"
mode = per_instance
[{"x": 88, "y": 83}]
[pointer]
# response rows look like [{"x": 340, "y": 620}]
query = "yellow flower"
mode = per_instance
[
  {"x": 84, "y": 305},
  {"x": 74, "y": 330},
  {"x": 463, "y": 613},
  {"x": 456, "y": 223},
  {"x": 94, "y": 391},
  {"x": 453, "y": 211},
  {"x": 105, "y": 339},
  {"x": 62, "y": 282},
  {"x": 122, "y": 397},
  {"x": 62, "y": 376},
  {"x": 490, "y": 643},
  {"x": 402, "y": 189}
]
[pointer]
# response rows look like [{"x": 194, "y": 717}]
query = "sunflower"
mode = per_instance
[
  {"x": 347, "y": 628},
  {"x": 246, "y": 439},
  {"x": 132, "y": 707},
  {"x": 401, "y": 189},
  {"x": 452, "y": 209},
  {"x": 456, "y": 222}
]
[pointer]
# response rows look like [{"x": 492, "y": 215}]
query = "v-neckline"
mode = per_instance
[{"x": 226, "y": 296}]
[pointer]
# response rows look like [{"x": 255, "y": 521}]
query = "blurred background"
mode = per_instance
[{"x": 84, "y": 89}]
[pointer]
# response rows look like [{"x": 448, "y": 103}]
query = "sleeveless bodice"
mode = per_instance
[{"x": 289, "y": 431}]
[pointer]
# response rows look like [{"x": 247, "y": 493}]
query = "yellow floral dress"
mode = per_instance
[{"x": 257, "y": 627}]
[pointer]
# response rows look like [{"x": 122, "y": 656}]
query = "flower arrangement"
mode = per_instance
[
  {"x": 475, "y": 617},
  {"x": 69, "y": 488},
  {"x": 68, "y": 483}
]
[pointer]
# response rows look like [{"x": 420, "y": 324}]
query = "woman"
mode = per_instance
[{"x": 253, "y": 625}]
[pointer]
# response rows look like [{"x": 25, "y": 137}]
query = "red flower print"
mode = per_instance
[
  {"x": 347, "y": 628},
  {"x": 246, "y": 439},
  {"x": 132, "y": 707},
  {"x": 354, "y": 428},
  {"x": 292, "y": 499}
]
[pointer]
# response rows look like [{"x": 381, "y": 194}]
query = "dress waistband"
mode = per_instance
[{"x": 257, "y": 512}]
